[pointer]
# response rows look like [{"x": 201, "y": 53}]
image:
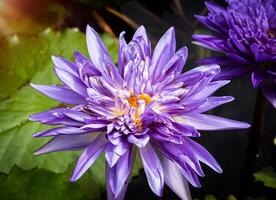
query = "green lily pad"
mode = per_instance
[{"x": 267, "y": 176}]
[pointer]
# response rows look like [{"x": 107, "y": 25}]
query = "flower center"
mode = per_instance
[
  {"x": 129, "y": 116},
  {"x": 125, "y": 125},
  {"x": 271, "y": 33},
  {"x": 133, "y": 100}
]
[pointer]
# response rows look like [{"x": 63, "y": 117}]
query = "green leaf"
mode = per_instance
[
  {"x": 17, "y": 147},
  {"x": 22, "y": 57},
  {"x": 210, "y": 197},
  {"x": 267, "y": 176},
  {"x": 230, "y": 197},
  {"x": 112, "y": 46},
  {"x": 38, "y": 184},
  {"x": 25, "y": 59}
]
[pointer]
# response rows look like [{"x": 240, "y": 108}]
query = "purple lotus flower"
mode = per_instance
[
  {"x": 246, "y": 35},
  {"x": 144, "y": 106}
]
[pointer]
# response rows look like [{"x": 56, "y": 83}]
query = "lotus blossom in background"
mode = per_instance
[
  {"x": 245, "y": 34},
  {"x": 144, "y": 106}
]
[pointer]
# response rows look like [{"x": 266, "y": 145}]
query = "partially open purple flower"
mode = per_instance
[
  {"x": 145, "y": 105},
  {"x": 246, "y": 35}
]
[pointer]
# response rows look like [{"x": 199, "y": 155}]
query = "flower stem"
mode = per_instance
[{"x": 253, "y": 146}]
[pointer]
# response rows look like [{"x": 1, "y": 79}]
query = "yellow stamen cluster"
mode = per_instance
[
  {"x": 138, "y": 123},
  {"x": 133, "y": 100}
]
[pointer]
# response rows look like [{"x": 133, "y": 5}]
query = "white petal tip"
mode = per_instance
[
  {"x": 230, "y": 98},
  {"x": 218, "y": 169},
  {"x": 246, "y": 125},
  {"x": 75, "y": 177},
  {"x": 33, "y": 85},
  {"x": 171, "y": 29},
  {"x": 72, "y": 179},
  {"x": 54, "y": 58},
  {"x": 88, "y": 27},
  {"x": 38, "y": 152},
  {"x": 242, "y": 125},
  {"x": 36, "y": 135},
  {"x": 90, "y": 30},
  {"x": 31, "y": 118},
  {"x": 122, "y": 34},
  {"x": 37, "y": 87}
]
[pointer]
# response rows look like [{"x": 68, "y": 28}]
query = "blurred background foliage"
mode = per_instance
[{"x": 33, "y": 30}]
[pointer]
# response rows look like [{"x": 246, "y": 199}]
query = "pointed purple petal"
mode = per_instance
[
  {"x": 189, "y": 174},
  {"x": 153, "y": 169},
  {"x": 110, "y": 195},
  {"x": 204, "y": 91},
  {"x": 76, "y": 115},
  {"x": 89, "y": 156},
  {"x": 71, "y": 81},
  {"x": 101, "y": 58},
  {"x": 85, "y": 67},
  {"x": 110, "y": 156},
  {"x": 212, "y": 102},
  {"x": 96, "y": 48},
  {"x": 55, "y": 117},
  {"x": 139, "y": 141},
  {"x": 210, "y": 122},
  {"x": 65, "y": 130},
  {"x": 204, "y": 87},
  {"x": 182, "y": 155},
  {"x": 269, "y": 90},
  {"x": 60, "y": 93},
  {"x": 219, "y": 60},
  {"x": 121, "y": 148},
  {"x": 257, "y": 78},
  {"x": 232, "y": 72},
  {"x": 203, "y": 155},
  {"x": 94, "y": 125},
  {"x": 46, "y": 116},
  {"x": 221, "y": 28},
  {"x": 186, "y": 130},
  {"x": 65, "y": 65},
  {"x": 176, "y": 63},
  {"x": 121, "y": 59},
  {"x": 141, "y": 36},
  {"x": 117, "y": 176},
  {"x": 175, "y": 180},
  {"x": 238, "y": 58},
  {"x": 186, "y": 170},
  {"x": 190, "y": 78},
  {"x": 214, "y": 8},
  {"x": 66, "y": 143},
  {"x": 207, "y": 69},
  {"x": 212, "y": 87},
  {"x": 230, "y": 69},
  {"x": 210, "y": 42},
  {"x": 162, "y": 53}
]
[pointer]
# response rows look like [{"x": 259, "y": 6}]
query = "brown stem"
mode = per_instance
[
  {"x": 102, "y": 23},
  {"x": 178, "y": 9},
  {"x": 125, "y": 18}
]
